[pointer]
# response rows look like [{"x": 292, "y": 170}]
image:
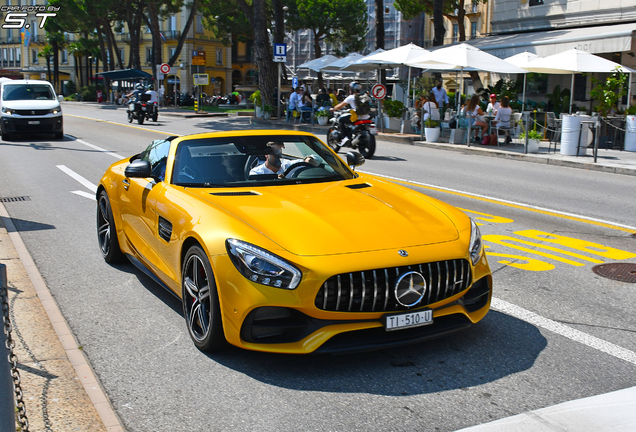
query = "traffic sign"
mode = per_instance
[
  {"x": 201, "y": 79},
  {"x": 295, "y": 82},
  {"x": 198, "y": 58},
  {"x": 280, "y": 53},
  {"x": 165, "y": 68},
  {"x": 378, "y": 91}
]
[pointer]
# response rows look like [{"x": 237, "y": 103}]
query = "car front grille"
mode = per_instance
[
  {"x": 373, "y": 290},
  {"x": 32, "y": 112}
]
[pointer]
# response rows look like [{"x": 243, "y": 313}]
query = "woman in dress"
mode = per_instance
[{"x": 476, "y": 116}]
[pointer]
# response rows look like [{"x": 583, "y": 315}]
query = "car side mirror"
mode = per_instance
[
  {"x": 60, "y": 98},
  {"x": 139, "y": 168},
  {"x": 355, "y": 159}
]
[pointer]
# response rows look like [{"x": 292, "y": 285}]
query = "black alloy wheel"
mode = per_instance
[
  {"x": 106, "y": 232},
  {"x": 201, "y": 301}
]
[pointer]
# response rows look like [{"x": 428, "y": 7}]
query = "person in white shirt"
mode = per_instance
[
  {"x": 440, "y": 94},
  {"x": 154, "y": 96},
  {"x": 345, "y": 119},
  {"x": 493, "y": 106},
  {"x": 295, "y": 101},
  {"x": 274, "y": 164},
  {"x": 502, "y": 119}
]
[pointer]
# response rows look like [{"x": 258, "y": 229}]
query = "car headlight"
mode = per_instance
[
  {"x": 475, "y": 247},
  {"x": 261, "y": 266},
  {"x": 55, "y": 110},
  {"x": 7, "y": 110}
]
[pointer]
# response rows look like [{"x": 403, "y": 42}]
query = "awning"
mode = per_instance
[
  {"x": 594, "y": 40},
  {"x": 125, "y": 74},
  {"x": 171, "y": 80}
]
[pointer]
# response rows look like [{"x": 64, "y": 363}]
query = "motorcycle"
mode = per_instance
[
  {"x": 363, "y": 132},
  {"x": 142, "y": 110}
]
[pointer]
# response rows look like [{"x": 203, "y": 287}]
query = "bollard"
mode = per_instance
[{"x": 7, "y": 402}]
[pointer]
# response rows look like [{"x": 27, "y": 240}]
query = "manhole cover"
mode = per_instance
[
  {"x": 623, "y": 272},
  {"x": 15, "y": 199}
]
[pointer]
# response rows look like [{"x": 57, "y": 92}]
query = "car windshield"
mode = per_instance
[
  {"x": 14, "y": 92},
  {"x": 241, "y": 161}
]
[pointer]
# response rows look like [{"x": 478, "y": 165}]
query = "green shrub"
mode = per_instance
[
  {"x": 533, "y": 134},
  {"x": 393, "y": 109},
  {"x": 430, "y": 123},
  {"x": 69, "y": 88},
  {"x": 89, "y": 92}
]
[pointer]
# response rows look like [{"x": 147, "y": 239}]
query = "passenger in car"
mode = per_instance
[{"x": 274, "y": 164}]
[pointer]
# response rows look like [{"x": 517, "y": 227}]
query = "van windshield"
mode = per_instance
[{"x": 14, "y": 92}]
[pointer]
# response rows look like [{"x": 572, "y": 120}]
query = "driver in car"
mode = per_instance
[{"x": 275, "y": 165}]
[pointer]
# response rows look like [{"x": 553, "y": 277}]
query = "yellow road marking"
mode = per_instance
[
  {"x": 122, "y": 124},
  {"x": 507, "y": 204},
  {"x": 487, "y": 217}
]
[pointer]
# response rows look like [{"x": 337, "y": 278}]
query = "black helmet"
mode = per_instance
[
  {"x": 150, "y": 87},
  {"x": 355, "y": 86}
]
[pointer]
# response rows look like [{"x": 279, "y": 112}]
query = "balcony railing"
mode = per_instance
[{"x": 172, "y": 34}]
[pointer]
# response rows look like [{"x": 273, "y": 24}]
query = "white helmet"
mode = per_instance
[{"x": 355, "y": 86}]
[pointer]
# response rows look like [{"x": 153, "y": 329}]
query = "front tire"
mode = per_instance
[
  {"x": 59, "y": 135},
  {"x": 201, "y": 301},
  {"x": 367, "y": 146},
  {"x": 331, "y": 141},
  {"x": 155, "y": 117},
  {"x": 106, "y": 231},
  {"x": 130, "y": 117}
]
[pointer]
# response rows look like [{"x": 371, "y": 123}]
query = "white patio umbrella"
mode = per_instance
[
  {"x": 575, "y": 61},
  {"x": 318, "y": 63},
  {"x": 342, "y": 63},
  {"x": 521, "y": 60},
  {"x": 391, "y": 58},
  {"x": 464, "y": 56}
]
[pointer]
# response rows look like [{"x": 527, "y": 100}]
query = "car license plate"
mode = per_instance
[
  {"x": 407, "y": 320},
  {"x": 373, "y": 131},
  {"x": 34, "y": 122}
]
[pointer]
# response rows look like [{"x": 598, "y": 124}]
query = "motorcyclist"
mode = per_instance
[
  {"x": 154, "y": 97},
  {"x": 135, "y": 94},
  {"x": 345, "y": 119}
]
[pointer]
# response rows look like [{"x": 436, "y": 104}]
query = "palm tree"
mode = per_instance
[
  {"x": 75, "y": 49},
  {"x": 47, "y": 53}
]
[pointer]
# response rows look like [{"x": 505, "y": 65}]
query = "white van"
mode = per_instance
[{"x": 29, "y": 107}]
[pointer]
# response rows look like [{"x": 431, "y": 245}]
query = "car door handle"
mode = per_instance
[{"x": 126, "y": 183}]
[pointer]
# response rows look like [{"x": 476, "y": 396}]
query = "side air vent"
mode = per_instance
[
  {"x": 359, "y": 186},
  {"x": 165, "y": 229},
  {"x": 238, "y": 193}
]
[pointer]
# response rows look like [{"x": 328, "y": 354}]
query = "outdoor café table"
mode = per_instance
[{"x": 489, "y": 119}]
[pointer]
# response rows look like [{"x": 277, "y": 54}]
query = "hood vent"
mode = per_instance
[
  {"x": 239, "y": 193},
  {"x": 359, "y": 186}
]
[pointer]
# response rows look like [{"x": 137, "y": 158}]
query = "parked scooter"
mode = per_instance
[{"x": 362, "y": 134}]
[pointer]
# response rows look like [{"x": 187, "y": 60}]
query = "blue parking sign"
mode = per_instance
[{"x": 295, "y": 82}]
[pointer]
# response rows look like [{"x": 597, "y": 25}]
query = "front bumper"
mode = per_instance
[
  {"x": 263, "y": 318},
  {"x": 32, "y": 125}
]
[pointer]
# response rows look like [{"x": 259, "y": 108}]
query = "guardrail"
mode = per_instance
[{"x": 7, "y": 401}]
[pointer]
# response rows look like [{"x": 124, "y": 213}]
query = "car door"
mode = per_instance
[{"x": 138, "y": 201}]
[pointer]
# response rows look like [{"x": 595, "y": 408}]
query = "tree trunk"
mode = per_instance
[
  {"x": 102, "y": 52},
  {"x": 379, "y": 33},
  {"x": 56, "y": 63},
  {"x": 263, "y": 57},
  {"x": 78, "y": 63},
  {"x": 48, "y": 66},
  {"x": 134, "y": 26},
  {"x": 110, "y": 41},
  {"x": 438, "y": 22},
  {"x": 77, "y": 73},
  {"x": 184, "y": 33},
  {"x": 153, "y": 24},
  {"x": 461, "y": 13},
  {"x": 318, "y": 54}
]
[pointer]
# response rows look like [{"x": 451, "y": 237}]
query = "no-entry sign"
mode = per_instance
[
  {"x": 165, "y": 68},
  {"x": 378, "y": 91}
]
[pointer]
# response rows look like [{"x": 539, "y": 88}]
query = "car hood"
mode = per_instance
[
  {"x": 331, "y": 218},
  {"x": 31, "y": 104}
]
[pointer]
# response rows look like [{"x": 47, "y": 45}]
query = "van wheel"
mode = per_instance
[
  {"x": 59, "y": 135},
  {"x": 6, "y": 137}
]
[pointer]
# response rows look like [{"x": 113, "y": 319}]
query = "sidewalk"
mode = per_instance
[
  {"x": 59, "y": 387},
  {"x": 612, "y": 161},
  {"x": 610, "y": 412}
]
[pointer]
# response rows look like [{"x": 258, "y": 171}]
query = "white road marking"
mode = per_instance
[
  {"x": 85, "y": 195},
  {"x": 90, "y": 186},
  {"x": 504, "y": 201},
  {"x": 563, "y": 330},
  {"x": 93, "y": 146}
]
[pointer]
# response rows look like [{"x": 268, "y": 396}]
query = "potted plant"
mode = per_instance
[
  {"x": 256, "y": 99},
  {"x": 394, "y": 111},
  {"x": 322, "y": 116},
  {"x": 268, "y": 110},
  {"x": 534, "y": 139},
  {"x": 431, "y": 130}
]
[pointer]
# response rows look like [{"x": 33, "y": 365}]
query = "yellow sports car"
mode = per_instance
[{"x": 274, "y": 243}]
